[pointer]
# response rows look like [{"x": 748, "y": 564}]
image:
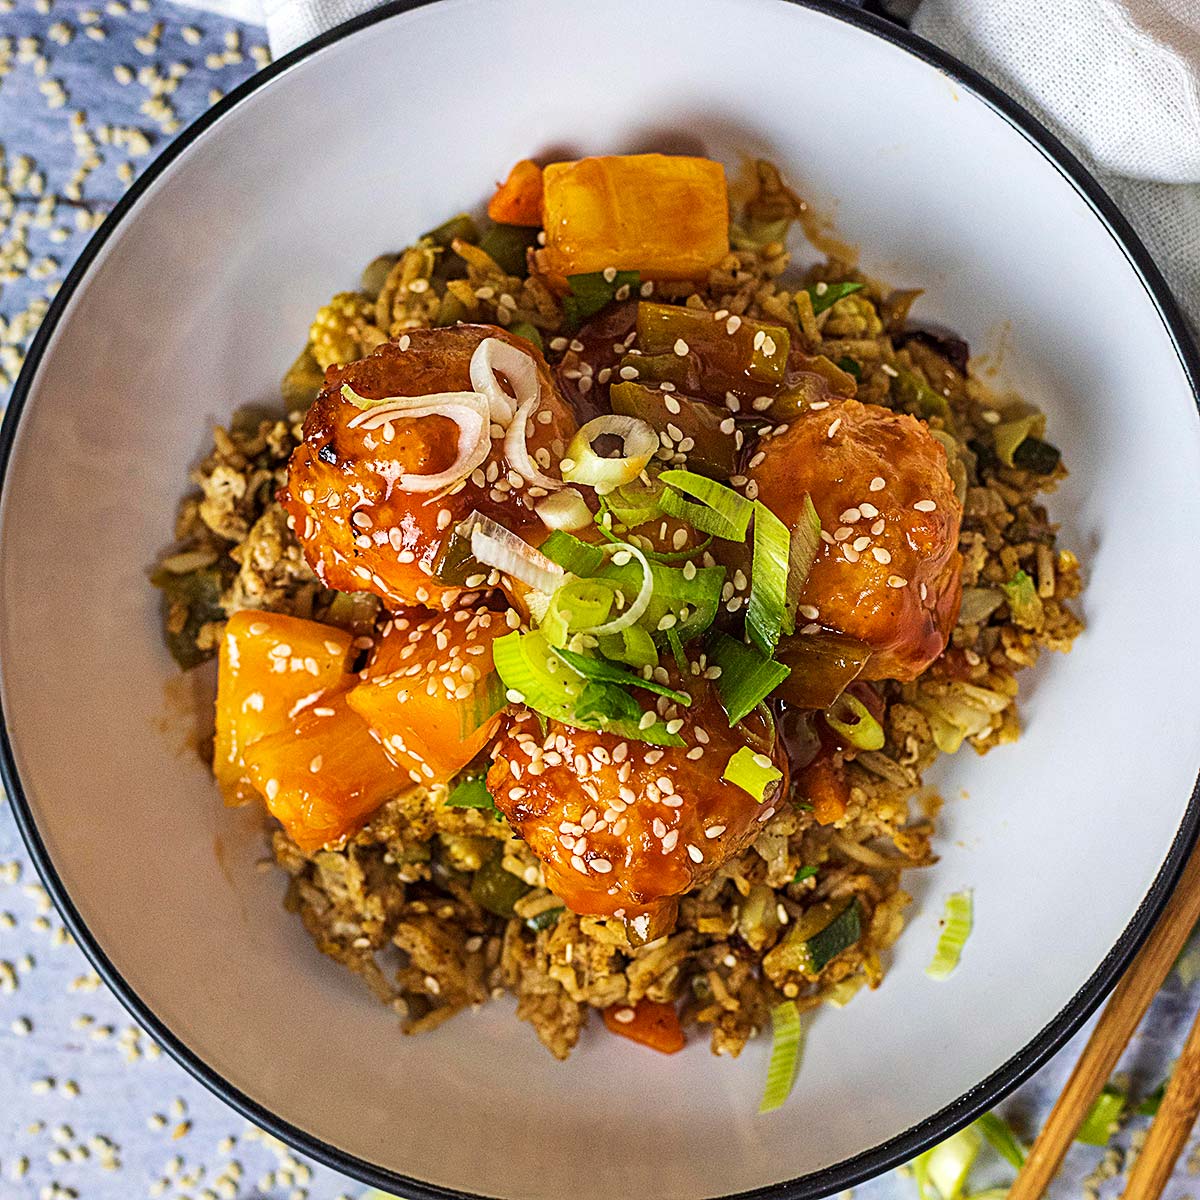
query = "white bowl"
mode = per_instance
[{"x": 195, "y": 295}]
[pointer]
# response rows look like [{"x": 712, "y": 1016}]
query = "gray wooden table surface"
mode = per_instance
[{"x": 89, "y": 1106}]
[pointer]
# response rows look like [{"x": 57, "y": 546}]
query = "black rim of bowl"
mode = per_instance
[{"x": 877, "y": 1159}]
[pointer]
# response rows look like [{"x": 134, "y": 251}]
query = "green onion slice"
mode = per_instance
[
  {"x": 470, "y": 792},
  {"x": 580, "y": 604},
  {"x": 805, "y": 541},
  {"x": 956, "y": 928},
  {"x": 1102, "y": 1117},
  {"x": 574, "y": 555},
  {"x": 581, "y": 463},
  {"x": 636, "y": 503},
  {"x": 998, "y": 1131},
  {"x": 947, "y": 1164},
  {"x": 592, "y": 291},
  {"x": 746, "y": 678},
  {"x": 787, "y": 1044},
  {"x": 767, "y": 613},
  {"x": 632, "y": 646},
  {"x": 721, "y": 511},
  {"x": 826, "y": 295},
  {"x": 481, "y": 705},
  {"x": 852, "y": 719},
  {"x": 803, "y": 874},
  {"x": 603, "y": 672},
  {"x": 752, "y": 772},
  {"x": 1023, "y": 601}
]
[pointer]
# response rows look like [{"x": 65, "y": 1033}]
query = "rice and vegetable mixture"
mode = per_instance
[{"x": 436, "y": 902}]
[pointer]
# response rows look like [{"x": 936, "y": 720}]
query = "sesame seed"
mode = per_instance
[
  {"x": 925, "y": 506},
  {"x": 878, "y": 527},
  {"x": 878, "y": 483},
  {"x": 897, "y": 581},
  {"x": 624, "y": 1015},
  {"x": 861, "y": 543},
  {"x": 670, "y": 841},
  {"x": 714, "y": 831},
  {"x": 868, "y": 510},
  {"x": 888, "y": 369},
  {"x": 834, "y": 427},
  {"x": 850, "y": 516}
]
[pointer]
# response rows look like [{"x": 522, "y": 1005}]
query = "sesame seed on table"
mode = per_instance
[{"x": 90, "y": 1107}]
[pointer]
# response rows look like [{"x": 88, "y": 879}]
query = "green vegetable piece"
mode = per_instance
[
  {"x": 956, "y": 928},
  {"x": 484, "y": 702},
  {"x": 455, "y": 563},
  {"x": 574, "y": 555},
  {"x": 461, "y": 227},
  {"x": 592, "y": 291},
  {"x": 693, "y": 603},
  {"x": 946, "y": 1166},
  {"x": 470, "y": 792},
  {"x": 1101, "y": 1121},
  {"x": 546, "y": 919},
  {"x": 721, "y": 511},
  {"x": 1023, "y": 601},
  {"x": 603, "y": 672},
  {"x": 767, "y": 614},
  {"x": 850, "y": 366},
  {"x": 998, "y": 1132},
  {"x": 850, "y": 717},
  {"x": 632, "y": 646},
  {"x": 826, "y": 295},
  {"x": 915, "y": 396},
  {"x": 1037, "y": 456},
  {"x": 578, "y": 605},
  {"x": 506, "y": 246},
  {"x": 803, "y": 874},
  {"x": 787, "y": 1046},
  {"x": 1150, "y": 1105},
  {"x": 840, "y": 934},
  {"x": 199, "y": 592},
  {"x": 1008, "y": 435},
  {"x": 803, "y": 543},
  {"x": 530, "y": 333},
  {"x": 713, "y": 451},
  {"x": 497, "y": 889},
  {"x": 676, "y": 645},
  {"x": 633, "y": 504},
  {"x": 752, "y": 772},
  {"x": 682, "y": 370},
  {"x": 451, "y": 310},
  {"x": 732, "y": 356},
  {"x": 747, "y": 677},
  {"x": 821, "y": 665}
]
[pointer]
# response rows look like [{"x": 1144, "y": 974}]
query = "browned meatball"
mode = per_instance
[
  {"x": 888, "y": 570},
  {"x": 625, "y": 828},
  {"x": 362, "y": 532}
]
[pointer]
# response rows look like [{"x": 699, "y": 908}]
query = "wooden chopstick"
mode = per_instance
[
  {"x": 1126, "y": 1007},
  {"x": 1172, "y": 1124}
]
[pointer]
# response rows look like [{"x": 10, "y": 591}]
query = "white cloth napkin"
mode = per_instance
[{"x": 1117, "y": 80}]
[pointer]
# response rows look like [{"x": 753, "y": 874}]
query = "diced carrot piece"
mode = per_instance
[
  {"x": 268, "y": 665},
  {"x": 518, "y": 200},
  {"x": 826, "y": 789},
  {"x": 324, "y": 774},
  {"x": 665, "y": 216},
  {"x": 435, "y": 718},
  {"x": 653, "y": 1024}
]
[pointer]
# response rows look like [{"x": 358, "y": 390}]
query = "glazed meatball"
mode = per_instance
[
  {"x": 360, "y": 531},
  {"x": 888, "y": 570},
  {"x": 624, "y": 828}
]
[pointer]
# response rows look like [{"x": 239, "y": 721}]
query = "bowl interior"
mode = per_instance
[{"x": 201, "y": 297}]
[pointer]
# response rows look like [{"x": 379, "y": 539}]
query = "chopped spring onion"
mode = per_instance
[
  {"x": 481, "y": 705},
  {"x": 803, "y": 874},
  {"x": 915, "y": 396},
  {"x": 851, "y": 718},
  {"x": 1023, "y": 601},
  {"x": 582, "y": 464},
  {"x": 529, "y": 332},
  {"x": 545, "y": 919},
  {"x": 997, "y": 1131},
  {"x": 566, "y": 510},
  {"x": 578, "y": 605},
  {"x": 638, "y": 605},
  {"x": 787, "y": 1044},
  {"x": 1008, "y": 435},
  {"x": 1100, "y": 1123},
  {"x": 721, "y": 511},
  {"x": 746, "y": 678},
  {"x": 676, "y": 644},
  {"x": 590, "y": 293},
  {"x": 495, "y": 546},
  {"x": 826, "y": 295},
  {"x": 947, "y": 1164},
  {"x": 632, "y": 646},
  {"x": 805, "y": 541},
  {"x": 516, "y": 448},
  {"x": 470, "y": 792},
  {"x": 519, "y": 369},
  {"x": 840, "y": 934},
  {"x": 468, "y": 410},
  {"x": 688, "y": 605},
  {"x": 574, "y": 555},
  {"x": 603, "y": 672},
  {"x": 634, "y": 504},
  {"x": 767, "y": 613},
  {"x": 752, "y": 772},
  {"x": 956, "y": 928}
]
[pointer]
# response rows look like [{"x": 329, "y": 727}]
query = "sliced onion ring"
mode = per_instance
[
  {"x": 492, "y": 355},
  {"x": 637, "y": 606},
  {"x": 468, "y": 410},
  {"x": 516, "y": 449},
  {"x": 565, "y": 510},
  {"x": 638, "y": 445},
  {"x": 495, "y": 546}
]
